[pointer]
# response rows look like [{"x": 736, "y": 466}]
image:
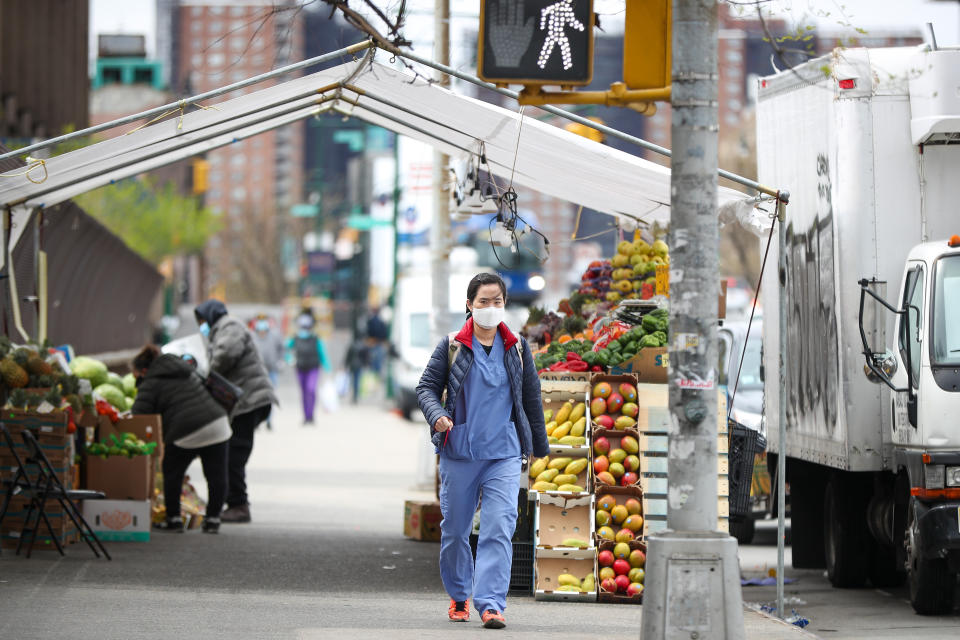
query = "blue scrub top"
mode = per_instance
[{"x": 488, "y": 433}]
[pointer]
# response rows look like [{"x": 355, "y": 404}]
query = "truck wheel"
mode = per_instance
[
  {"x": 930, "y": 580},
  {"x": 844, "y": 532},
  {"x": 807, "y": 487},
  {"x": 744, "y": 529}
]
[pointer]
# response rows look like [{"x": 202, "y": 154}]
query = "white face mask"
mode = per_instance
[{"x": 488, "y": 317}]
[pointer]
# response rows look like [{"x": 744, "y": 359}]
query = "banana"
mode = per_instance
[
  {"x": 578, "y": 412},
  {"x": 564, "y": 413},
  {"x": 559, "y": 463},
  {"x": 574, "y": 467}
]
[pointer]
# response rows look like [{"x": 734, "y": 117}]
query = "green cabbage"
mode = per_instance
[
  {"x": 112, "y": 395},
  {"x": 89, "y": 369}
]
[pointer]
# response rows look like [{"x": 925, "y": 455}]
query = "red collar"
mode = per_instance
[{"x": 465, "y": 336}]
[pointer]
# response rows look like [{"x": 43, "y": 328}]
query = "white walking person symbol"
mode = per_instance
[{"x": 555, "y": 18}]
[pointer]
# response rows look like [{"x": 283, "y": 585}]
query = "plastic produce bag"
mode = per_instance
[{"x": 329, "y": 398}]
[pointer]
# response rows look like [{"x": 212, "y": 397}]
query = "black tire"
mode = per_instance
[
  {"x": 743, "y": 529},
  {"x": 807, "y": 487},
  {"x": 930, "y": 581},
  {"x": 845, "y": 532}
]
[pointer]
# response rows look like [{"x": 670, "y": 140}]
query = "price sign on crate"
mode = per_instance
[{"x": 663, "y": 280}]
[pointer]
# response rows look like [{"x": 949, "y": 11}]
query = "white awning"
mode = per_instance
[{"x": 545, "y": 157}]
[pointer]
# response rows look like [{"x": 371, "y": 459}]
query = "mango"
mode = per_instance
[
  {"x": 579, "y": 426},
  {"x": 624, "y": 422},
  {"x": 551, "y": 426},
  {"x": 589, "y": 583},
  {"x": 630, "y": 444},
  {"x": 578, "y": 412},
  {"x": 576, "y": 466},
  {"x": 598, "y": 407},
  {"x": 571, "y": 487},
  {"x": 562, "y": 430},
  {"x": 573, "y": 542},
  {"x": 564, "y": 413},
  {"x": 567, "y": 579},
  {"x": 548, "y": 475},
  {"x": 569, "y": 587},
  {"x": 573, "y": 441},
  {"x": 604, "y": 477},
  {"x": 538, "y": 467},
  {"x": 601, "y": 390},
  {"x": 548, "y": 415},
  {"x": 559, "y": 463},
  {"x": 564, "y": 478},
  {"x": 544, "y": 486},
  {"x": 628, "y": 391},
  {"x": 552, "y": 440}
]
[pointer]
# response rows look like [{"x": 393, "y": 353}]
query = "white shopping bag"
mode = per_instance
[{"x": 329, "y": 398}]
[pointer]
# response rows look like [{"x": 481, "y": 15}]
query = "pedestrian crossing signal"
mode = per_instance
[{"x": 547, "y": 42}]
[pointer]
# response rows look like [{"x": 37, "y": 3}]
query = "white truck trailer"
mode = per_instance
[{"x": 867, "y": 141}]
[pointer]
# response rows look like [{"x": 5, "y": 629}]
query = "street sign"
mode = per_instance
[
  {"x": 304, "y": 210},
  {"x": 647, "y": 44},
  {"x": 536, "y": 42}
]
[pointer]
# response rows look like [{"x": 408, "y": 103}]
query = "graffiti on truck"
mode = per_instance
[{"x": 812, "y": 362}]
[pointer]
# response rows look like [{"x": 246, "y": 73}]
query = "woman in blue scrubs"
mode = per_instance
[{"x": 485, "y": 430}]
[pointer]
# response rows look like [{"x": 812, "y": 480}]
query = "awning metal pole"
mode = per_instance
[
  {"x": 750, "y": 184},
  {"x": 327, "y": 57}
]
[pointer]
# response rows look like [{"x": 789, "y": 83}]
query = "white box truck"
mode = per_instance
[{"x": 867, "y": 142}]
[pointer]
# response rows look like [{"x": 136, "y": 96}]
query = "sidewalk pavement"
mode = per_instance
[{"x": 323, "y": 558}]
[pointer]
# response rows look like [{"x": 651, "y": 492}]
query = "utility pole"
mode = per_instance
[
  {"x": 694, "y": 588},
  {"x": 440, "y": 224}
]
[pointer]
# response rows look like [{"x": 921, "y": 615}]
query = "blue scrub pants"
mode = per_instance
[{"x": 461, "y": 482}]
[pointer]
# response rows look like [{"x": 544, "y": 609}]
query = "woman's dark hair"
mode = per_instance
[
  {"x": 481, "y": 279},
  {"x": 145, "y": 358}
]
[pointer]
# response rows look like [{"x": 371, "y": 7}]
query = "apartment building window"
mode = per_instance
[
  {"x": 215, "y": 59},
  {"x": 238, "y": 12}
]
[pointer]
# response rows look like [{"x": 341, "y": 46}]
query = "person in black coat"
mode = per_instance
[{"x": 194, "y": 424}]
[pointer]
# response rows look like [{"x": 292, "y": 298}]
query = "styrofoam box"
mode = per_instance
[
  {"x": 550, "y": 563},
  {"x": 560, "y": 516}
]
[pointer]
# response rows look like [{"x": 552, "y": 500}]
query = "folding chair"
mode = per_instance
[{"x": 47, "y": 486}]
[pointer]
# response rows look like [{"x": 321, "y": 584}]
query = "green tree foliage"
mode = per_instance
[{"x": 155, "y": 221}]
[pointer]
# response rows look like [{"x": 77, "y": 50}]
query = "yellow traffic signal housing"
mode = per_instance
[
  {"x": 647, "y": 44},
  {"x": 201, "y": 171},
  {"x": 585, "y": 131}
]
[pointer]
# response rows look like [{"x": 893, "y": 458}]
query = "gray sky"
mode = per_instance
[{"x": 138, "y": 16}]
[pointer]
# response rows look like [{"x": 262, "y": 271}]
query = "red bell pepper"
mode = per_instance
[
  {"x": 572, "y": 355},
  {"x": 596, "y": 368},
  {"x": 577, "y": 365}
]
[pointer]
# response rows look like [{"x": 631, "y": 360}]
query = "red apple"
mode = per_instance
[
  {"x": 605, "y": 558},
  {"x": 628, "y": 478},
  {"x": 609, "y": 584},
  {"x": 600, "y": 464},
  {"x": 621, "y": 567},
  {"x": 614, "y": 403},
  {"x": 601, "y": 446},
  {"x": 623, "y": 583}
]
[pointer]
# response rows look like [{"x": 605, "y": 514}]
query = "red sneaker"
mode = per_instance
[
  {"x": 492, "y": 619},
  {"x": 459, "y": 611}
]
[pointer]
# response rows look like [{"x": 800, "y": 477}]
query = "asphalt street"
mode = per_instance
[{"x": 323, "y": 558}]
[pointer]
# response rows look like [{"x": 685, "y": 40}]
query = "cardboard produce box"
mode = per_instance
[
  {"x": 573, "y": 453},
  {"x": 650, "y": 365},
  {"x": 621, "y": 598},
  {"x": 614, "y": 496},
  {"x": 119, "y": 520},
  {"x": 554, "y": 394},
  {"x": 633, "y": 463},
  {"x": 548, "y": 564},
  {"x": 421, "y": 520},
  {"x": 121, "y": 478},
  {"x": 147, "y": 427},
  {"x": 561, "y": 517}
]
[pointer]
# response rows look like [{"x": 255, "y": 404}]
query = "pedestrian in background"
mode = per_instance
[
  {"x": 377, "y": 340},
  {"x": 355, "y": 361},
  {"x": 310, "y": 355},
  {"x": 233, "y": 354},
  {"x": 490, "y": 425},
  {"x": 270, "y": 346},
  {"x": 194, "y": 424}
]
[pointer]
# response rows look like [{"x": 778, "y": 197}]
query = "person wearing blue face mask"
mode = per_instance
[
  {"x": 232, "y": 353},
  {"x": 310, "y": 354},
  {"x": 270, "y": 346},
  {"x": 489, "y": 424}
]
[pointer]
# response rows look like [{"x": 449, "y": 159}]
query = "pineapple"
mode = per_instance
[
  {"x": 38, "y": 366},
  {"x": 18, "y": 399},
  {"x": 13, "y": 374}
]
